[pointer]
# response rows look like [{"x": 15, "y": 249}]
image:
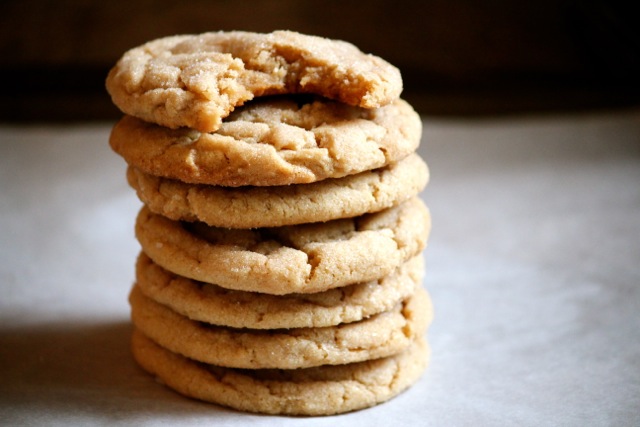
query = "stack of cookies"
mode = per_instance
[{"x": 281, "y": 232}]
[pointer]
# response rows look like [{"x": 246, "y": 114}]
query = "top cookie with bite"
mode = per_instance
[{"x": 196, "y": 81}]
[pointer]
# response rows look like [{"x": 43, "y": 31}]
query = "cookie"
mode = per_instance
[
  {"x": 197, "y": 80},
  {"x": 378, "y": 336},
  {"x": 273, "y": 141},
  {"x": 254, "y": 207},
  {"x": 323, "y": 390},
  {"x": 305, "y": 258},
  {"x": 212, "y": 304}
]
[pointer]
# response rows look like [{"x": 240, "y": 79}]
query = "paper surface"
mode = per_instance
[{"x": 533, "y": 266}]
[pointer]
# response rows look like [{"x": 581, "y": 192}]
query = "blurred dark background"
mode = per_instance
[{"x": 458, "y": 57}]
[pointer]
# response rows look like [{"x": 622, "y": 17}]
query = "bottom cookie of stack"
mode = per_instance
[{"x": 322, "y": 390}]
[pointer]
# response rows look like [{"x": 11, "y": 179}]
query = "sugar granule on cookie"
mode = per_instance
[{"x": 197, "y": 80}]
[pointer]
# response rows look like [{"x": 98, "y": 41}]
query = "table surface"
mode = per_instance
[{"x": 533, "y": 266}]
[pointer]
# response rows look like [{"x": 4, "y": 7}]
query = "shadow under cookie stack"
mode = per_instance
[{"x": 281, "y": 229}]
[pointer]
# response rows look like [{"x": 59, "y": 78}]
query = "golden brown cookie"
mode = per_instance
[
  {"x": 273, "y": 141},
  {"x": 381, "y": 335},
  {"x": 253, "y": 207},
  {"x": 209, "y": 303},
  {"x": 305, "y": 258},
  {"x": 197, "y": 80},
  {"x": 323, "y": 390}
]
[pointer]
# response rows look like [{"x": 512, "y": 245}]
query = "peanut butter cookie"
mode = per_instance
[
  {"x": 253, "y": 207},
  {"x": 305, "y": 258},
  {"x": 197, "y": 80},
  {"x": 274, "y": 141},
  {"x": 209, "y": 303}
]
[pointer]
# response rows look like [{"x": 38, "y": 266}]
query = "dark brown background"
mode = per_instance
[{"x": 457, "y": 57}]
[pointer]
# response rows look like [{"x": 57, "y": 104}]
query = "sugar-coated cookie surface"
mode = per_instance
[
  {"x": 238, "y": 309},
  {"x": 274, "y": 141},
  {"x": 252, "y": 207},
  {"x": 305, "y": 258},
  {"x": 197, "y": 80},
  {"x": 324, "y": 390},
  {"x": 381, "y": 335}
]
